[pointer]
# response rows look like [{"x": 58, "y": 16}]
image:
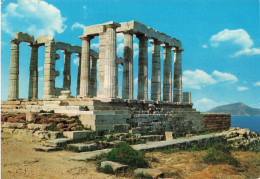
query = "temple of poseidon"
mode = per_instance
[{"x": 98, "y": 107}]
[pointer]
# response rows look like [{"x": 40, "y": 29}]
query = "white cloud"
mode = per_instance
[
  {"x": 120, "y": 37},
  {"x": 204, "y": 46},
  {"x": 224, "y": 76},
  {"x": 35, "y": 17},
  {"x": 205, "y": 104},
  {"x": 77, "y": 25},
  {"x": 136, "y": 49},
  {"x": 94, "y": 45},
  {"x": 196, "y": 79},
  {"x": 40, "y": 69},
  {"x": 239, "y": 37},
  {"x": 257, "y": 83},
  {"x": 242, "y": 88},
  {"x": 76, "y": 61},
  {"x": 84, "y": 7},
  {"x": 120, "y": 49}
]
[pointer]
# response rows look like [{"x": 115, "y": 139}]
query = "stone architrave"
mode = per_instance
[
  {"x": 79, "y": 71},
  {"x": 85, "y": 68},
  {"x": 127, "y": 90},
  {"x": 13, "y": 92},
  {"x": 143, "y": 67},
  {"x": 107, "y": 61},
  {"x": 66, "y": 71},
  {"x": 156, "y": 71},
  {"x": 50, "y": 74},
  {"x": 33, "y": 81},
  {"x": 167, "y": 73},
  {"x": 177, "y": 75},
  {"x": 93, "y": 77}
]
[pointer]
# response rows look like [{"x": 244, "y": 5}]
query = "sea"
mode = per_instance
[{"x": 250, "y": 122}]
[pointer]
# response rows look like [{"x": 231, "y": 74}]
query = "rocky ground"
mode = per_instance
[{"x": 20, "y": 160}]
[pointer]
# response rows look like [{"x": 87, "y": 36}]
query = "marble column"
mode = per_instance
[
  {"x": 33, "y": 81},
  {"x": 167, "y": 73},
  {"x": 93, "y": 76},
  {"x": 116, "y": 78},
  {"x": 79, "y": 71},
  {"x": 107, "y": 62},
  {"x": 127, "y": 89},
  {"x": 85, "y": 68},
  {"x": 13, "y": 91},
  {"x": 156, "y": 71},
  {"x": 50, "y": 74},
  {"x": 142, "y": 67},
  {"x": 66, "y": 71},
  {"x": 177, "y": 75}
]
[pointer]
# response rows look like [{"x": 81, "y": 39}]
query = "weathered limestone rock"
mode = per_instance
[
  {"x": 154, "y": 173},
  {"x": 143, "y": 67},
  {"x": 156, "y": 71},
  {"x": 115, "y": 166},
  {"x": 41, "y": 127},
  {"x": 24, "y": 37},
  {"x": 76, "y": 135},
  {"x": 168, "y": 136},
  {"x": 81, "y": 147},
  {"x": 127, "y": 89},
  {"x": 14, "y": 125},
  {"x": 177, "y": 75},
  {"x": 167, "y": 73},
  {"x": 13, "y": 92}
]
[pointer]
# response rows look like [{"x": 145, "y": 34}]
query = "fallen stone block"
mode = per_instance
[
  {"x": 14, "y": 125},
  {"x": 154, "y": 173},
  {"x": 152, "y": 137},
  {"x": 58, "y": 142},
  {"x": 83, "y": 156},
  {"x": 41, "y": 134},
  {"x": 115, "y": 166},
  {"x": 47, "y": 149},
  {"x": 168, "y": 136},
  {"x": 80, "y": 147},
  {"x": 77, "y": 135},
  {"x": 41, "y": 127}
]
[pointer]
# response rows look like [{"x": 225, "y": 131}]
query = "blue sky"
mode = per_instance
[{"x": 221, "y": 41}]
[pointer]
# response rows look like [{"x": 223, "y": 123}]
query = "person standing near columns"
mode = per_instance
[
  {"x": 79, "y": 71},
  {"x": 85, "y": 70},
  {"x": 143, "y": 67},
  {"x": 156, "y": 71},
  {"x": 177, "y": 75},
  {"x": 33, "y": 81},
  {"x": 66, "y": 71},
  {"x": 167, "y": 73},
  {"x": 13, "y": 92},
  {"x": 127, "y": 91}
]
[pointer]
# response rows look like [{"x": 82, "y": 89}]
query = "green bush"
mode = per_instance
[
  {"x": 219, "y": 154},
  {"x": 106, "y": 169},
  {"x": 125, "y": 154},
  {"x": 143, "y": 176}
]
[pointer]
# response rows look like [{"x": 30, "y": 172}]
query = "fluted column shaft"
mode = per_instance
[
  {"x": 79, "y": 72},
  {"x": 107, "y": 62},
  {"x": 85, "y": 70},
  {"x": 156, "y": 71},
  {"x": 177, "y": 75},
  {"x": 33, "y": 81},
  {"x": 116, "y": 78},
  {"x": 127, "y": 90},
  {"x": 93, "y": 76},
  {"x": 13, "y": 92},
  {"x": 66, "y": 71},
  {"x": 167, "y": 74},
  {"x": 143, "y": 68}
]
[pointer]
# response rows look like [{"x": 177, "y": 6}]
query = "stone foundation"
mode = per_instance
[{"x": 217, "y": 121}]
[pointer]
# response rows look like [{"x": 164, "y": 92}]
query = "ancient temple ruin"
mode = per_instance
[{"x": 101, "y": 109}]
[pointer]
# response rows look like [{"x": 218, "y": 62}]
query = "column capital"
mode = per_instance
[
  {"x": 166, "y": 45},
  {"x": 178, "y": 50},
  {"x": 15, "y": 41},
  {"x": 78, "y": 54},
  {"x": 142, "y": 36},
  {"x": 35, "y": 45},
  {"x": 88, "y": 37},
  {"x": 130, "y": 32},
  {"x": 155, "y": 42},
  {"x": 66, "y": 52}
]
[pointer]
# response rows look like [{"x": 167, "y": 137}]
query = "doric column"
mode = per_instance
[
  {"x": 156, "y": 71},
  {"x": 33, "y": 81},
  {"x": 177, "y": 75},
  {"x": 143, "y": 67},
  {"x": 93, "y": 77},
  {"x": 127, "y": 89},
  {"x": 85, "y": 70},
  {"x": 116, "y": 78},
  {"x": 79, "y": 71},
  {"x": 13, "y": 92},
  {"x": 50, "y": 74},
  {"x": 107, "y": 61},
  {"x": 66, "y": 71},
  {"x": 167, "y": 73}
]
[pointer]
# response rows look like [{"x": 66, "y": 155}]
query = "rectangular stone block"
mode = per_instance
[{"x": 76, "y": 135}]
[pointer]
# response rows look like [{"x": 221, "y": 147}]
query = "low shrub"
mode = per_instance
[
  {"x": 125, "y": 154},
  {"x": 143, "y": 176},
  {"x": 107, "y": 169},
  {"x": 219, "y": 154}
]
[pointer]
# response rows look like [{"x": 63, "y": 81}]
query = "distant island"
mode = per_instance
[{"x": 236, "y": 109}]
